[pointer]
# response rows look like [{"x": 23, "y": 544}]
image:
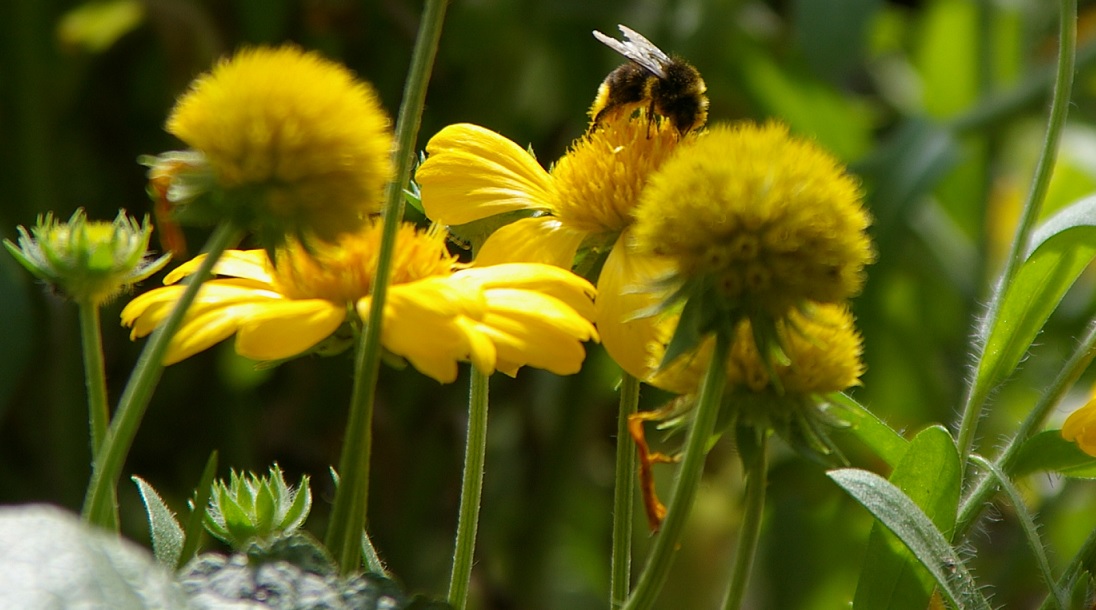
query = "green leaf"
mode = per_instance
[
  {"x": 163, "y": 528},
  {"x": 192, "y": 534},
  {"x": 902, "y": 517},
  {"x": 266, "y": 506},
  {"x": 1060, "y": 250},
  {"x": 51, "y": 559},
  {"x": 929, "y": 474},
  {"x": 299, "y": 509},
  {"x": 1049, "y": 452},
  {"x": 864, "y": 426}
]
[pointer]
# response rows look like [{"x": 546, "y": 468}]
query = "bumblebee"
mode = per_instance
[{"x": 668, "y": 86}]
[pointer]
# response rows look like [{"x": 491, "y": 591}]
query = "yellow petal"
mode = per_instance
[
  {"x": 209, "y": 327},
  {"x": 562, "y": 284},
  {"x": 249, "y": 264},
  {"x": 147, "y": 311},
  {"x": 531, "y": 240},
  {"x": 287, "y": 328},
  {"x": 472, "y": 173},
  {"x": 623, "y": 290},
  {"x": 1080, "y": 428},
  {"x": 535, "y": 329},
  {"x": 428, "y": 323}
]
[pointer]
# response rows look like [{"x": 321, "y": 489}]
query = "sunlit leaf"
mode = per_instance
[
  {"x": 1059, "y": 252},
  {"x": 1049, "y": 452},
  {"x": 867, "y": 428},
  {"x": 929, "y": 474},
  {"x": 902, "y": 517},
  {"x": 97, "y": 25}
]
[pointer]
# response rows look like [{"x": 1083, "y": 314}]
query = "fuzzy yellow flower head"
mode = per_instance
[
  {"x": 298, "y": 144},
  {"x": 768, "y": 220},
  {"x": 436, "y": 314},
  {"x": 89, "y": 261},
  {"x": 823, "y": 355},
  {"x": 1080, "y": 426}
]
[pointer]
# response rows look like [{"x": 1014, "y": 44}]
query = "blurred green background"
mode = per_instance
[{"x": 938, "y": 105}]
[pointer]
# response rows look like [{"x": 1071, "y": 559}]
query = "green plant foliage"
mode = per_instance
[
  {"x": 163, "y": 528},
  {"x": 1047, "y": 451},
  {"x": 929, "y": 474},
  {"x": 1060, "y": 250},
  {"x": 915, "y": 529}
]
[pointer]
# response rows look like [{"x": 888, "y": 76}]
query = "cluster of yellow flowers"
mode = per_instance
[
  {"x": 742, "y": 229},
  {"x": 762, "y": 228},
  {"x": 293, "y": 146}
]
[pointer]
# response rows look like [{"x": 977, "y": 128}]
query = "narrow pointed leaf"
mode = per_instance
[
  {"x": 166, "y": 534},
  {"x": 929, "y": 474},
  {"x": 192, "y": 534},
  {"x": 907, "y": 521},
  {"x": 1060, "y": 250},
  {"x": 298, "y": 511}
]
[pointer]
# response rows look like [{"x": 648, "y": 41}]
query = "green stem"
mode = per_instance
[
  {"x": 348, "y": 516},
  {"x": 623, "y": 495},
  {"x": 91, "y": 338},
  {"x": 979, "y": 388},
  {"x": 1068, "y": 375},
  {"x": 751, "y": 526},
  {"x": 688, "y": 479},
  {"x": 470, "y": 492},
  {"x": 101, "y": 502},
  {"x": 1083, "y": 562},
  {"x": 1031, "y": 531}
]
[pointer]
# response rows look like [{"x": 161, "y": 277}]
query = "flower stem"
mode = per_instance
[
  {"x": 470, "y": 492},
  {"x": 757, "y": 472},
  {"x": 91, "y": 339},
  {"x": 623, "y": 495},
  {"x": 1071, "y": 371},
  {"x": 348, "y": 516},
  {"x": 1067, "y": 56},
  {"x": 688, "y": 479},
  {"x": 101, "y": 502}
]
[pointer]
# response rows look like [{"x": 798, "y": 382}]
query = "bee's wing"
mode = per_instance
[{"x": 638, "y": 49}]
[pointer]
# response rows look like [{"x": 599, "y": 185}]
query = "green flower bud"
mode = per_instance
[
  {"x": 89, "y": 261},
  {"x": 250, "y": 507}
]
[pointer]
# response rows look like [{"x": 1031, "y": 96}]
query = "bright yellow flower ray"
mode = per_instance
[
  {"x": 1080, "y": 427},
  {"x": 473, "y": 173},
  {"x": 438, "y": 314}
]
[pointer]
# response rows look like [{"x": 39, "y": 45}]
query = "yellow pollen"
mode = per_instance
[
  {"x": 597, "y": 183},
  {"x": 344, "y": 272}
]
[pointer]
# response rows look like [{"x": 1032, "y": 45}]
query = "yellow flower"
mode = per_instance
[
  {"x": 299, "y": 144},
  {"x": 768, "y": 221},
  {"x": 1080, "y": 427},
  {"x": 90, "y": 261},
  {"x": 436, "y": 313},
  {"x": 823, "y": 352},
  {"x": 473, "y": 173}
]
